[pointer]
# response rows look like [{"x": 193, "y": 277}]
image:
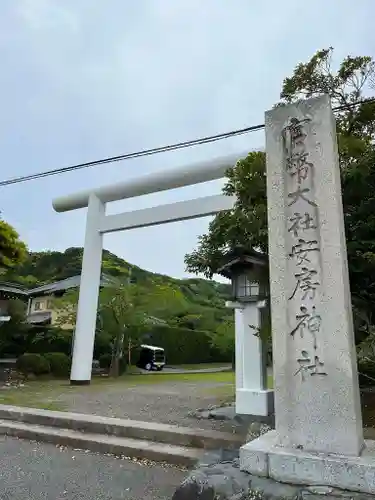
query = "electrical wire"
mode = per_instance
[
  {"x": 128, "y": 156},
  {"x": 149, "y": 152}
]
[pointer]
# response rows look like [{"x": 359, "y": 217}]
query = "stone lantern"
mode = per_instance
[{"x": 248, "y": 272}]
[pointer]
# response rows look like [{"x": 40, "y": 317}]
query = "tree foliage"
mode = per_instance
[
  {"x": 201, "y": 298},
  {"x": 12, "y": 250},
  {"x": 123, "y": 311},
  {"x": 193, "y": 305},
  {"x": 15, "y": 329},
  {"x": 223, "y": 338},
  {"x": 66, "y": 308},
  {"x": 246, "y": 224}
]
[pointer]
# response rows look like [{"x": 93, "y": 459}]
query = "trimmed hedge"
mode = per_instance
[
  {"x": 33, "y": 363},
  {"x": 59, "y": 363},
  {"x": 184, "y": 346}
]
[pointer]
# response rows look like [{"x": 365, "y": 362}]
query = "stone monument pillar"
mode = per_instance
[{"x": 318, "y": 437}]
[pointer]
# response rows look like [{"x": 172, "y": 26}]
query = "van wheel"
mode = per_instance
[{"x": 148, "y": 367}]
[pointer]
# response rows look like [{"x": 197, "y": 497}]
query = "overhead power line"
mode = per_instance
[
  {"x": 153, "y": 151},
  {"x": 128, "y": 156}
]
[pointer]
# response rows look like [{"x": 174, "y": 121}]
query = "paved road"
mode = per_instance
[
  {"x": 218, "y": 369},
  {"x": 35, "y": 471},
  {"x": 176, "y": 369}
]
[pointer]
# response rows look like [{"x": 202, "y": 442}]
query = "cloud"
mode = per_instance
[
  {"x": 40, "y": 15},
  {"x": 85, "y": 80}
]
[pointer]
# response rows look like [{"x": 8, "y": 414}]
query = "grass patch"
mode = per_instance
[
  {"x": 227, "y": 392},
  {"x": 159, "y": 378},
  {"x": 42, "y": 395},
  {"x": 45, "y": 394},
  {"x": 131, "y": 380},
  {"x": 163, "y": 377}
]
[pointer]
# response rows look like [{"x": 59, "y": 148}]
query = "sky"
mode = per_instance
[{"x": 83, "y": 80}]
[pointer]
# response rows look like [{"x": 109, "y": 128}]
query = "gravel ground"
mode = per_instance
[
  {"x": 35, "y": 471},
  {"x": 169, "y": 402}
]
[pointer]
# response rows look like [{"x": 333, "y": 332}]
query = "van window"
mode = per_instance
[{"x": 159, "y": 356}]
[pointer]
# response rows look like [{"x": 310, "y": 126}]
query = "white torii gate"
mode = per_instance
[{"x": 98, "y": 223}]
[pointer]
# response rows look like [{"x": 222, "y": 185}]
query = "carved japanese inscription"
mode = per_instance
[{"x": 304, "y": 251}]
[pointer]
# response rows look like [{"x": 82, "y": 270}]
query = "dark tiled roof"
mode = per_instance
[
  {"x": 66, "y": 284},
  {"x": 12, "y": 288}
]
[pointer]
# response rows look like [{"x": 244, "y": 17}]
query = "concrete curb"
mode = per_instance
[
  {"x": 133, "y": 429},
  {"x": 146, "y": 440},
  {"x": 132, "y": 448}
]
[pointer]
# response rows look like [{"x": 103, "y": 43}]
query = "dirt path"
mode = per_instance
[
  {"x": 167, "y": 402},
  {"x": 169, "y": 398}
]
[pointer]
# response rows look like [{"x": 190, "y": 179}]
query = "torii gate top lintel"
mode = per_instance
[{"x": 151, "y": 183}]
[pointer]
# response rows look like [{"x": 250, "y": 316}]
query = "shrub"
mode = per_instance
[
  {"x": 59, "y": 363},
  {"x": 366, "y": 374},
  {"x": 33, "y": 363},
  {"x": 105, "y": 361},
  {"x": 102, "y": 344},
  {"x": 50, "y": 339}
]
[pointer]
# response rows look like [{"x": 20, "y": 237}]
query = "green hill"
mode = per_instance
[{"x": 204, "y": 304}]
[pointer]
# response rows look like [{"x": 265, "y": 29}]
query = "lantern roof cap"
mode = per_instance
[{"x": 240, "y": 259}]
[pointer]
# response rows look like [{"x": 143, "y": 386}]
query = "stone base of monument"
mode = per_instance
[
  {"x": 263, "y": 457},
  {"x": 254, "y": 402}
]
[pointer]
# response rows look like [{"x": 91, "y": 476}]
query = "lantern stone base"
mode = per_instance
[
  {"x": 263, "y": 457},
  {"x": 254, "y": 402}
]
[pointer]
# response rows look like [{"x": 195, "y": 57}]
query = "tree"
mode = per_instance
[
  {"x": 66, "y": 308},
  {"x": 13, "y": 332},
  {"x": 12, "y": 250},
  {"x": 118, "y": 317},
  {"x": 246, "y": 224},
  {"x": 123, "y": 312}
]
